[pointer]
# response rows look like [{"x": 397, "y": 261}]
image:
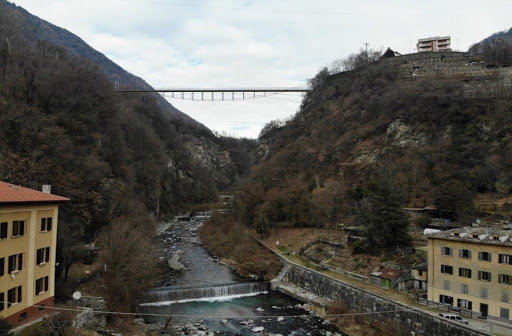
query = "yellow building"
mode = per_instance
[
  {"x": 28, "y": 238},
  {"x": 472, "y": 268}
]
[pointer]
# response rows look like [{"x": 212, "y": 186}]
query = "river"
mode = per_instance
[{"x": 275, "y": 312}]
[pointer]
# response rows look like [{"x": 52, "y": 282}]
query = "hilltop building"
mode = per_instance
[
  {"x": 28, "y": 238},
  {"x": 434, "y": 44},
  {"x": 471, "y": 268}
]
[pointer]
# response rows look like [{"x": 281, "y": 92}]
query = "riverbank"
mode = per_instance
[{"x": 235, "y": 246}]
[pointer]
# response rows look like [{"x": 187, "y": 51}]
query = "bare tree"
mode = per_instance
[
  {"x": 360, "y": 59},
  {"x": 130, "y": 260}
]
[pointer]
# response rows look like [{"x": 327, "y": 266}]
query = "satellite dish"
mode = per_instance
[{"x": 77, "y": 295}]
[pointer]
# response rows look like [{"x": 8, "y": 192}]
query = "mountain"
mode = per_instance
[
  {"x": 225, "y": 163},
  {"x": 426, "y": 124},
  {"x": 36, "y": 29},
  {"x": 62, "y": 123},
  {"x": 495, "y": 50}
]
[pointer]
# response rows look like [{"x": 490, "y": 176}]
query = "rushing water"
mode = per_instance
[{"x": 210, "y": 295}]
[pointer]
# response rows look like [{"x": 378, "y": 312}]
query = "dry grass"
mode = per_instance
[{"x": 233, "y": 244}]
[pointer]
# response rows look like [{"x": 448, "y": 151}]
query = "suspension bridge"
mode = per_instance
[{"x": 222, "y": 94}]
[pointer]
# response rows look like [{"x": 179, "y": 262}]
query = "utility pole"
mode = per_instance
[{"x": 366, "y": 45}]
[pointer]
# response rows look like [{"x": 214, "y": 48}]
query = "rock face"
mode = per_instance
[{"x": 216, "y": 159}]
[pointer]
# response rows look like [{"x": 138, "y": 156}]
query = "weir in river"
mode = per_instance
[{"x": 188, "y": 293}]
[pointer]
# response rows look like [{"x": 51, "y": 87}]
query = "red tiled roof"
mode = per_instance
[
  {"x": 387, "y": 273},
  {"x": 10, "y": 193}
]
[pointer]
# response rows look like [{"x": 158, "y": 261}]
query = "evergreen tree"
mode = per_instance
[{"x": 380, "y": 211}]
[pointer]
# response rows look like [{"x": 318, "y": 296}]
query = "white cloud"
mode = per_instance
[{"x": 221, "y": 43}]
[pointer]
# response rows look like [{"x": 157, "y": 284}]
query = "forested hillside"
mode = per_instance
[
  {"x": 368, "y": 140},
  {"x": 226, "y": 159},
  {"x": 62, "y": 123}
]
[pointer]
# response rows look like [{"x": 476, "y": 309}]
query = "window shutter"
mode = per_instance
[
  {"x": 2, "y": 266},
  {"x": 20, "y": 261},
  {"x": 2, "y": 301},
  {"x": 460, "y": 253},
  {"x": 43, "y": 224},
  {"x": 10, "y": 297},
  {"x": 49, "y": 224},
  {"x": 490, "y": 276},
  {"x": 19, "y": 294},
  {"x": 38, "y": 286},
  {"x": 3, "y": 230},
  {"x": 490, "y": 256},
  {"x": 11, "y": 266},
  {"x": 15, "y": 228},
  {"x": 479, "y": 275},
  {"x": 479, "y": 255},
  {"x": 22, "y": 228},
  {"x": 46, "y": 283},
  {"x": 39, "y": 256},
  {"x": 469, "y": 254},
  {"x": 460, "y": 271},
  {"x": 47, "y": 255}
]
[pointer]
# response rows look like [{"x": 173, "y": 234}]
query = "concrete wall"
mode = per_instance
[{"x": 358, "y": 300}]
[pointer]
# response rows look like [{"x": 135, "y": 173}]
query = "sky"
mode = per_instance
[{"x": 258, "y": 43}]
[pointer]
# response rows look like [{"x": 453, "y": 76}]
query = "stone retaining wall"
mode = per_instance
[{"x": 358, "y": 300}]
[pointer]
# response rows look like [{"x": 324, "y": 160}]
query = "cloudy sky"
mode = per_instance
[{"x": 258, "y": 43}]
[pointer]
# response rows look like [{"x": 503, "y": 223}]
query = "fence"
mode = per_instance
[{"x": 446, "y": 306}]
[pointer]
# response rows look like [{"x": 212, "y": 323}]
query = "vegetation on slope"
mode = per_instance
[
  {"x": 434, "y": 142},
  {"x": 234, "y": 244}
]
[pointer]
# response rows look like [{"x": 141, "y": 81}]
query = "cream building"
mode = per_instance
[
  {"x": 472, "y": 268},
  {"x": 28, "y": 237}
]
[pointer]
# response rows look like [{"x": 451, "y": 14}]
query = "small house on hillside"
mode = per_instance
[
  {"x": 385, "y": 277},
  {"x": 416, "y": 279}
]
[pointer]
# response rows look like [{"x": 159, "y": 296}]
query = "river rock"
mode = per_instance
[
  {"x": 280, "y": 318},
  {"x": 257, "y": 329},
  {"x": 224, "y": 321},
  {"x": 260, "y": 309}
]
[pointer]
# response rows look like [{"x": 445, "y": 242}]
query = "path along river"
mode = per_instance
[{"x": 235, "y": 315}]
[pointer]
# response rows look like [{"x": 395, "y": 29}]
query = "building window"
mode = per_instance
[
  {"x": 504, "y": 297},
  {"x": 446, "y": 251},
  {"x": 15, "y": 263},
  {"x": 2, "y": 266},
  {"x": 455, "y": 234},
  {"x": 43, "y": 255},
  {"x": 504, "y": 279},
  {"x": 484, "y": 256},
  {"x": 484, "y": 276},
  {"x": 505, "y": 313},
  {"x": 475, "y": 236},
  {"x": 446, "y": 299},
  {"x": 495, "y": 238},
  {"x": 46, "y": 224},
  {"x": 484, "y": 293},
  {"x": 446, "y": 284},
  {"x": 464, "y": 304},
  {"x": 18, "y": 228},
  {"x": 466, "y": 254},
  {"x": 3, "y": 230},
  {"x": 2, "y": 301},
  {"x": 505, "y": 259},
  {"x": 464, "y": 289},
  {"x": 446, "y": 269},
  {"x": 420, "y": 273},
  {"x": 14, "y": 296},
  {"x": 41, "y": 285},
  {"x": 465, "y": 272}
]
